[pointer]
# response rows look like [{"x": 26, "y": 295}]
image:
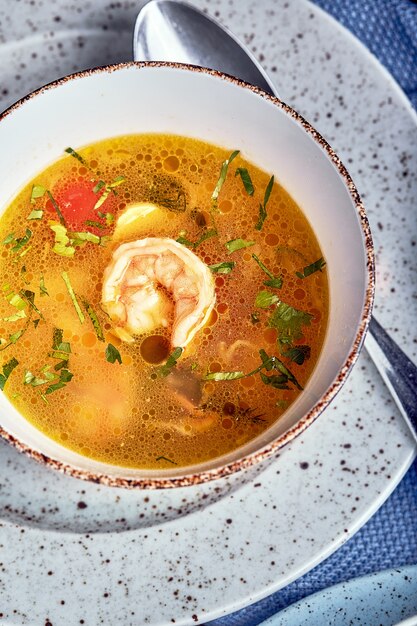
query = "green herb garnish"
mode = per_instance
[
  {"x": 238, "y": 244},
  {"x": 274, "y": 281},
  {"x": 61, "y": 350},
  {"x": 265, "y": 299},
  {"x": 108, "y": 189},
  {"x": 288, "y": 322},
  {"x": 79, "y": 239},
  {"x": 76, "y": 155},
  {"x": 21, "y": 241},
  {"x": 225, "y": 375},
  {"x": 35, "y": 215},
  {"x": 99, "y": 186},
  {"x": 222, "y": 177},
  {"x": 47, "y": 377},
  {"x": 42, "y": 289},
  {"x": 194, "y": 244},
  {"x": 29, "y": 296},
  {"x": 56, "y": 207},
  {"x": 279, "y": 381},
  {"x": 317, "y": 266},
  {"x": 171, "y": 362},
  {"x": 94, "y": 224},
  {"x": 262, "y": 207},
  {"x": 222, "y": 268},
  {"x": 94, "y": 319},
  {"x": 112, "y": 354},
  {"x": 62, "y": 245},
  {"x": 13, "y": 298},
  {"x": 246, "y": 180},
  {"x": 8, "y": 239},
  {"x": 64, "y": 378},
  {"x": 7, "y": 370},
  {"x": 77, "y": 307},
  {"x": 37, "y": 192},
  {"x": 164, "y": 458},
  {"x": 298, "y": 354},
  {"x": 15, "y": 317},
  {"x": 109, "y": 217}
]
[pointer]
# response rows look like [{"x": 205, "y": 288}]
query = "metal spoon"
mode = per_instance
[{"x": 170, "y": 30}]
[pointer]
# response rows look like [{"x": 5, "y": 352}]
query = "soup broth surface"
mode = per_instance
[{"x": 159, "y": 407}]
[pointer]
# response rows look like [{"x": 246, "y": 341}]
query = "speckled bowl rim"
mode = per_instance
[{"x": 272, "y": 448}]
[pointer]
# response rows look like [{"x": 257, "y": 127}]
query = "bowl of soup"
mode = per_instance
[{"x": 186, "y": 273}]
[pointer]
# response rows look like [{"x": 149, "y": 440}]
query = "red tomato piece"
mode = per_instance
[{"x": 76, "y": 201}]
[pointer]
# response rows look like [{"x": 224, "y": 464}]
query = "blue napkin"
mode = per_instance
[{"x": 389, "y": 29}]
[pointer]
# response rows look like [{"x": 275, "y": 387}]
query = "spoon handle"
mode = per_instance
[{"x": 396, "y": 369}]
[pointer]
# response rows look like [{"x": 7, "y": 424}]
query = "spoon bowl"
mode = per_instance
[{"x": 176, "y": 32}]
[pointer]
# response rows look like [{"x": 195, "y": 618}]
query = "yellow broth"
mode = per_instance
[{"x": 129, "y": 414}]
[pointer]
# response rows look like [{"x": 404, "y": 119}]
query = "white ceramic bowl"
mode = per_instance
[{"x": 176, "y": 99}]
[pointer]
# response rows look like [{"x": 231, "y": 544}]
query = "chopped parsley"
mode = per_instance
[
  {"x": 42, "y": 288},
  {"x": 56, "y": 207},
  {"x": 29, "y": 297},
  {"x": 171, "y": 362},
  {"x": 262, "y": 207},
  {"x": 164, "y": 458},
  {"x": 15, "y": 317},
  {"x": 66, "y": 242},
  {"x": 7, "y": 370},
  {"x": 222, "y": 177},
  {"x": 94, "y": 224},
  {"x": 238, "y": 244},
  {"x": 48, "y": 377},
  {"x": 112, "y": 354},
  {"x": 194, "y": 244},
  {"x": 265, "y": 299},
  {"x": 317, "y": 266},
  {"x": 21, "y": 241},
  {"x": 13, "y": 298},
  {"x": 61, "y": 350},
  {"x": 79, "y": 239},
  {"x": 289, "y": 322},
  {"x": 37, "y": 192},
  {"x": 8, "y": 239},
  {"x": 109, "y": 217},
  {"x": 274, "y": 281},
  {"x": 246, "y": 180},
  {"x": 298, "y": 354},
  {"x": 75, "y": 155},
  {"x": 222, "y": 268},
  {"x": 35, "y": 214},
  {"x": 269, "y": 363},
  {"x": 62, "y": 245},
  {"x": 73, "y": 297},
  {"x": 94, "y": 320},
  {"x": 108, "y": 188}
]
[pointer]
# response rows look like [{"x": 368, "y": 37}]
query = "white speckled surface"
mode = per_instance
[
  {"x": 74, "y": 553},
  {"x": 384, "y": 598}
]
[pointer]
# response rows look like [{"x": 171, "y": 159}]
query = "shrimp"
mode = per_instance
[{"x": 151, "y": 281}]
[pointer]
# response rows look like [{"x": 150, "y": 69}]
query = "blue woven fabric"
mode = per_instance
[{"x": 389, "y": 29}]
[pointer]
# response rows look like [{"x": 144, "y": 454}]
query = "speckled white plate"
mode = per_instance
[
  {"x": 74, "y": 553},
  {"x": 383, "y": 598}
]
